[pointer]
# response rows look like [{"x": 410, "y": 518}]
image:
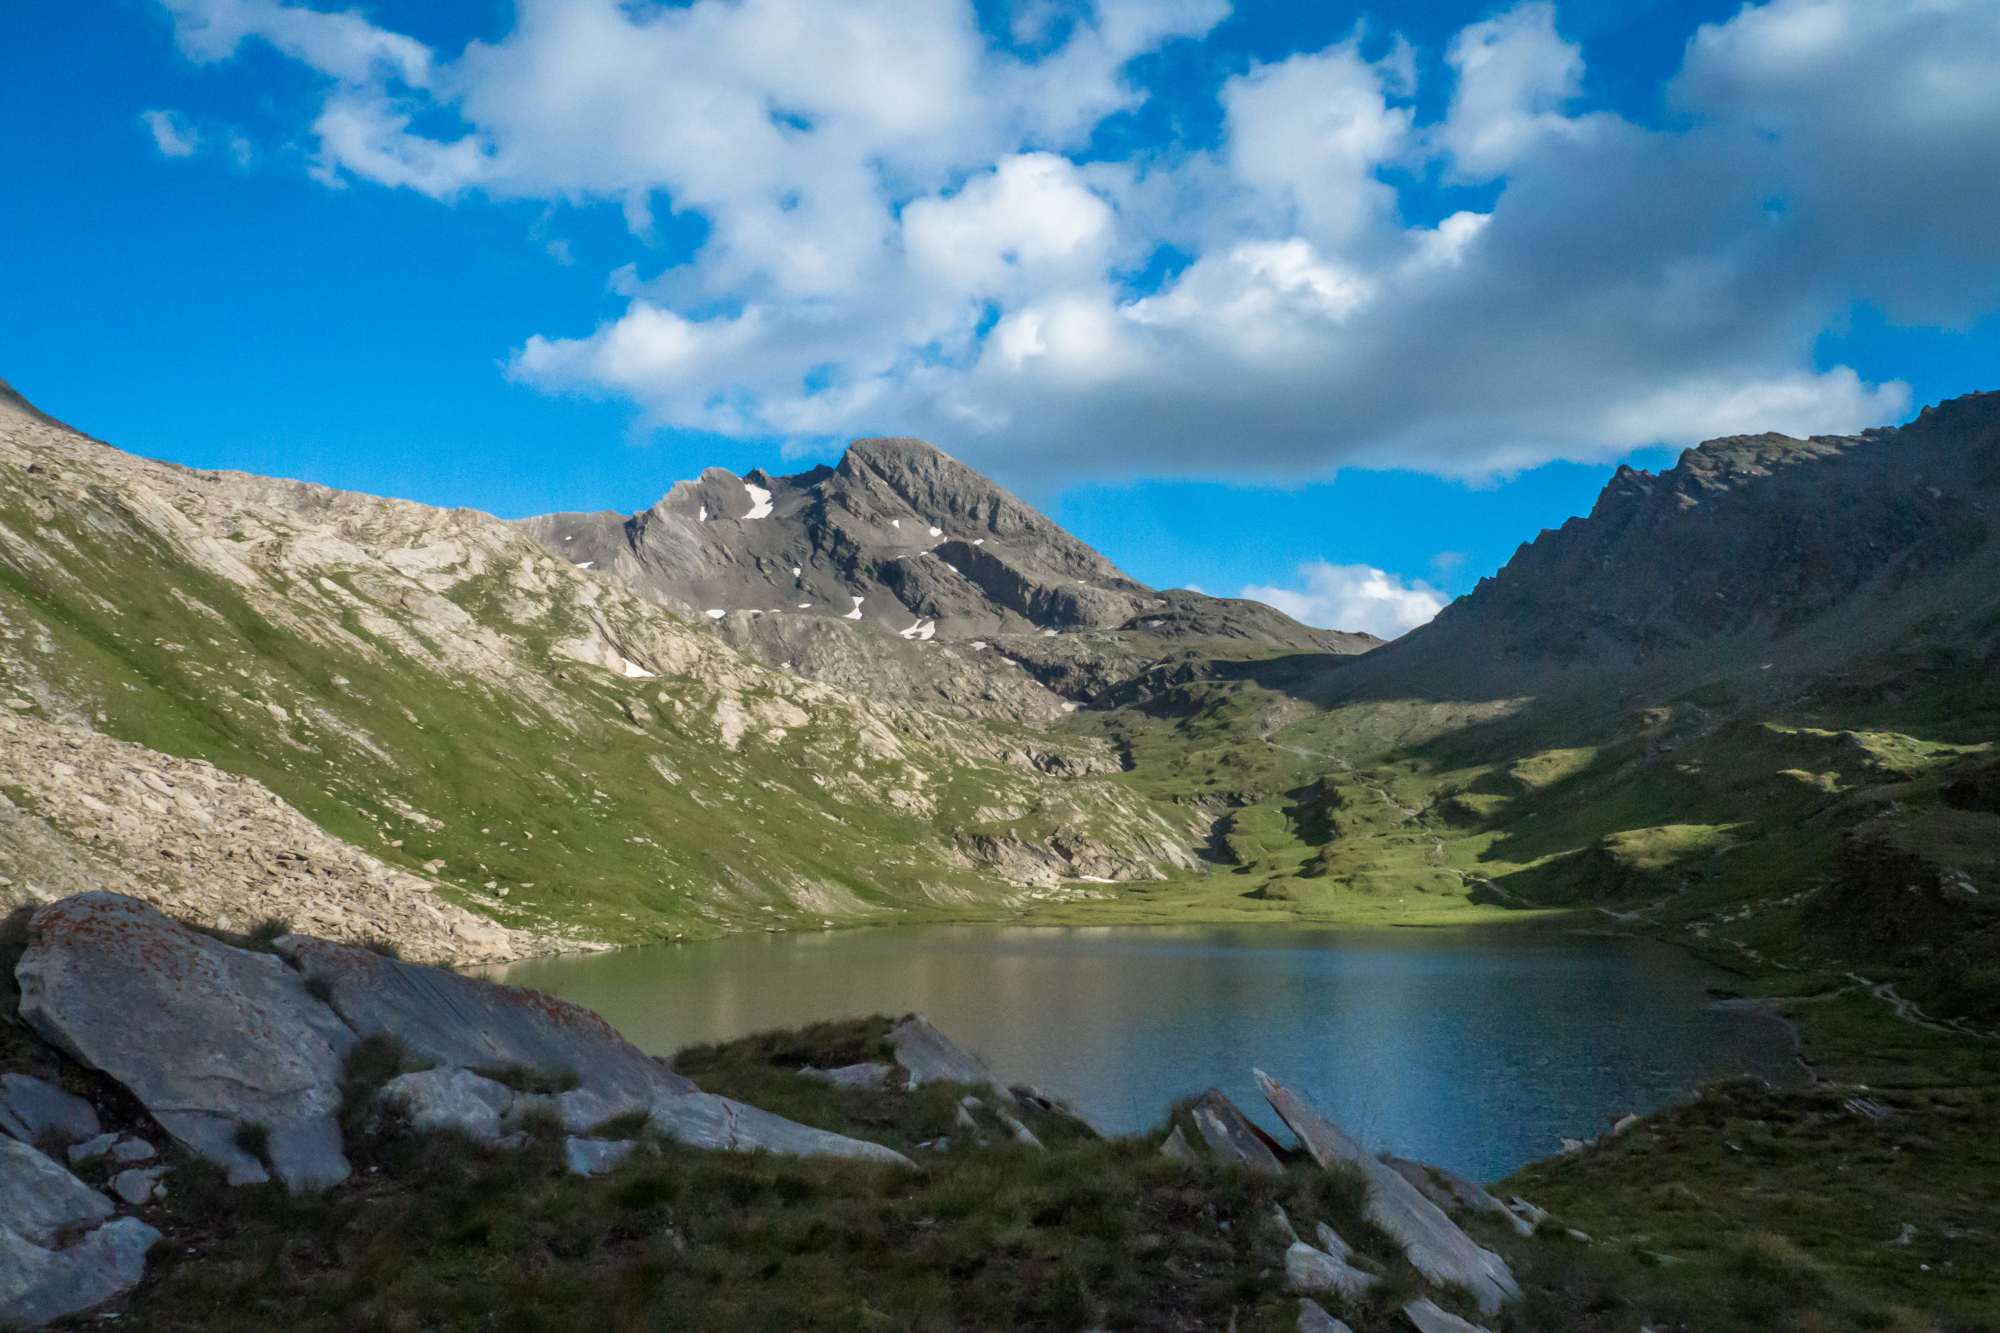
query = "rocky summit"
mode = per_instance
[{"x": 902, "y": 542}]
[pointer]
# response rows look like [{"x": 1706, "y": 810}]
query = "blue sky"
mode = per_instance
[{"x": 1323, "y": 301}]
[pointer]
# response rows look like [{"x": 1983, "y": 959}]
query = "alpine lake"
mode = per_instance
[{"x": 1477, "y": 1048}]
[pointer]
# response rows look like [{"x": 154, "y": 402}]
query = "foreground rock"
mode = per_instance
[
  {"x": 932, "y": 1057},
  {"x": 38, "y": 1284},
  {"x": 1229, "y": 1132},
  {"x": 41, "y": 1203},
  {"x": 1448, "y": 1189},
  {"x": 225, "y": 1047},
  {"x": 702, "y": 1120},
  {"x": 1312, "y": 1319},
  {"x": 443, "y": 1018},
  {"x": 1436, "y": 1246},
  {"x": 453, "y": 1099},
  {"x": 1427, "y": 1317},
  {"x": 1308, "y": 1269},
  {"x": 30, "y": 1108}
]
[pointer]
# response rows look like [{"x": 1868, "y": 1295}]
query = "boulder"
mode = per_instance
[
  {"x": 39, "y": 1199},
  {"x": 593, "y": 1157},
  {"x": 443, "y": 1018},
  {"x": 30, "y": 1108},
  {"x": 1428, "y": 1317},
  {"x": 854, "y": 1076},
  {"x": 38, "y": 1284},
  {"x": 213, "y": 1040},
  {"x": 702, "y": 1120},
  {"x": 1448, "y": 1190},
  {"x": 1177, "y": 1147},
  {"x": 89, "y": 1148},
  {"x": 1331, "y": 1242},
  {"x": 453, "y": 1099},
  {"x": 932, "y": 1057},
  {"x": 135, "y": 1186},
  {"x": 1020, "y": 1132},
  {"x": 1231, "y": 1134},
  {"x": 133, "y": 1150},
  {"x": 1312, "y": 1319},
  {"x": 1434, "y": 1243},
  {"x": 1308, "y": 1269}
]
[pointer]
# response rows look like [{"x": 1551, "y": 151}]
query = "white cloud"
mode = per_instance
[
  {"x": 172, "y": 134},
  {"x": 900, "y": 238},
  {"x": 1515, "y": 73},
  {"x": 1353, "y": 598}
]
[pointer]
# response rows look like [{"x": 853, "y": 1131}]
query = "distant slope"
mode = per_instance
[
  {"x": 842, "y": 573},
  {"x": 533, "y": 741}
]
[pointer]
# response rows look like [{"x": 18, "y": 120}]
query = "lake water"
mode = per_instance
[{"x": 1477, "y": 1048}]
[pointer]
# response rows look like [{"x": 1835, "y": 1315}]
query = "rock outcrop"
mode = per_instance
[
  {"x": 447, "y": 1019},
  {"x": 1231, "y": 1135},
  {"x": 225, "y": 1047},
  {"x": 1436, "y": 1246},
  {"x": 31, "y": 1109},
  {"x": 40, "y": 1205}
]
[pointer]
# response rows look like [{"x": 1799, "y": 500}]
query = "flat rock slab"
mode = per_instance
[
  {"x": 453, "y": 1099},
  {"x": 1229, "y": 1132},
  {"x": 38, "y": 1284},
  {"x": 932, "y": 1057},
  {"x": 1434, "y": 1243},
  {"x": 593, "y": 1157},
  {"x": 1448, "y": 1189},
  {"x": 447, "y": 1019},
  {"x": 39, "y": 1197},
  {"x": 702, "y": 1120},
  {"x": 854, "y": 1076},
  {"x": 210, "y": 1038},
  {"x": 1427, "y": 1317},
  {"x": 1177, "y": 1147},
  {"x": 1312, "y": 1319},
  {"x": 135, "y": 1186},
  {"x": 30, "y": 1108},
  {"x": 1308, "y": 1269}
]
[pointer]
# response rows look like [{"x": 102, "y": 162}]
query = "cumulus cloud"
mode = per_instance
[
  {"x": 904, "y": 234},
  {"x": 172, "y": 134},
  {"x": 1353, "y": 598}
]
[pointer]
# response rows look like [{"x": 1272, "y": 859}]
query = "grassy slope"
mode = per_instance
[{"x": 607, "y": 808}]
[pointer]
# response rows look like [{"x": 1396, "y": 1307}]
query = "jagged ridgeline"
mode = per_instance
[{"x": 473, "y": 728}]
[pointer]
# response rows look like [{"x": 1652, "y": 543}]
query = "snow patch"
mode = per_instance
[
  {"x": 702, "y": 517},
  {"x": 804, "y": 605},
  {"x": 715, "y": 613},
  {"x": 923, "y": 629},
  {"x": 895, "y": 522},
  {"x": 980, "y": 542},
  {"x": 855, "y": 614},
  {"x": 937, "y": 532},
  {"x": 633, "y": 670},
  {"x": 978, "y": 645},
  {"x": 1048, "y": 634},
  {"x": 585, "y": 564},
  {"x": 795, "y": 571},
  {"x": 760, "y": 501}
]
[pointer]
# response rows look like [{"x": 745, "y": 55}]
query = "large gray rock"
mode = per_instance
[
  {"x": 1427, "y": 1317},
  {"x": 702, "y": 1120},
  {"x": 135, "y": 1186},
  {"x": 1308, "y": 1269},
  {"x": 1177, "y": 1147},
  {"x": 453, "y": 1099},
  {"x": 1312, "y": 1319},
  {"x": 30, "y": 1108},
  {"x": 1230, "y": 1133},
  {"x": 855, "y": 1076},
  {"x": 932, "y": 1057},
  {"x": 1434, "y": 1243},
  {"x": 593, "y": 1157},
  {"x": 443, "y": 1018},
  {"x": 210, "y": 1038},
  {"x": 39, "y": 1284},
  {"x": 1448, "y": 1189},
  {"x": 39, "y": 1198}
]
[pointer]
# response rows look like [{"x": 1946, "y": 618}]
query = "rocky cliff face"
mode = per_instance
[{"x": 847, "y": 574}]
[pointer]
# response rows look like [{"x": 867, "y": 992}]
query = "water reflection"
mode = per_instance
[{"x": 1478, "y": 1048}]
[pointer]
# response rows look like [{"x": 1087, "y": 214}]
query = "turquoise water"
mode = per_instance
[{"x": 1478, "y": 1048}]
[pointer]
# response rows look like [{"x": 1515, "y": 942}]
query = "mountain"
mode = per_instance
[
  {"x": 841, "y": 573},
  {"x": 1850, "y": 564},
  {"x": 240, "y": 698}
]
